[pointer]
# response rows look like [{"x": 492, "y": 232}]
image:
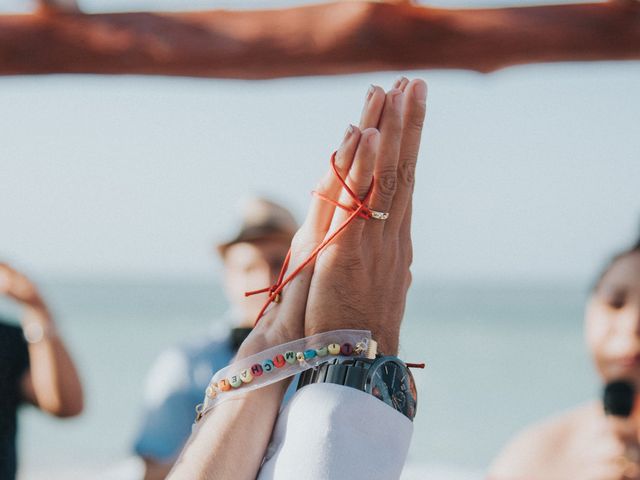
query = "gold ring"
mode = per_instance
[{"x": 379, "y": 215}]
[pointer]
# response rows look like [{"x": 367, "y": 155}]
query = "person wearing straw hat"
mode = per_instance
[{"x": 251, "y": 259}]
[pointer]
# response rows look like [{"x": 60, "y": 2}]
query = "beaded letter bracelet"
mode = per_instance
[{"x": 282, "y": 361}]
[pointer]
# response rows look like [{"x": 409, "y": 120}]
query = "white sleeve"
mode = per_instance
[{"x": 330, "y": 431}]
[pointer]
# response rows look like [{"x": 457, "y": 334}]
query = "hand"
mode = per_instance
[
  {"x": 361, "y": 278},
  {"x": 284, "y": 321},
  {"x": 18, "y": 287}
]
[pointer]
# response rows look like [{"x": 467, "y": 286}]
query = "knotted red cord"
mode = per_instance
[{"x": 361, "y": 211}]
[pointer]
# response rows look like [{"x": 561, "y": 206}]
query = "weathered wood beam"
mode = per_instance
[{"x": 323, "y": 39}]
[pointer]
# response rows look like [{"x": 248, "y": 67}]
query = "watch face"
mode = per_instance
[{"x": 392, "y": 382}]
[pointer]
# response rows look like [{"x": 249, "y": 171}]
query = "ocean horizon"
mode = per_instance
[{"x": 499, "y": 356}]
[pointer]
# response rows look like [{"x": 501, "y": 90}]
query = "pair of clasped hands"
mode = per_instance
[
  {"x": 358, "y": 281},
  {"x": 361, "y": 278}
]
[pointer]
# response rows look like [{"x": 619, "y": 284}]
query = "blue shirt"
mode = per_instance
[{"x": 174, "y": 386}]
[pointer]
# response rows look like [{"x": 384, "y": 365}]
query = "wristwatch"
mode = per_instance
[{"x": 385, "y": 377}]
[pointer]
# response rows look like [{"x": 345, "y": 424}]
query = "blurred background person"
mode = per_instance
[
  {"x": 35, "y": 366},
  {"x": 585, "y": 443},
  {"x": 252, "y": 260}
]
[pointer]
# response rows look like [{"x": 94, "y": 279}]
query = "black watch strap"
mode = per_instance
[{"x": 351, "y": 373}]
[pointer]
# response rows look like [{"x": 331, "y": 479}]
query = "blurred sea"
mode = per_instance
[{"x": 499, "y": 356}]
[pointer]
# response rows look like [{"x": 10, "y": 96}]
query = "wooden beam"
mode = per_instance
[{"x": 323, "y": 39}]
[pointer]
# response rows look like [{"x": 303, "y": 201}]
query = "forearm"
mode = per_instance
[
  {"x": 52, "y": 383},
  {"x": 230, "y": 440}
]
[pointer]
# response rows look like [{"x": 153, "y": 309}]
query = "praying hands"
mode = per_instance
[{"x": 348, "y": 269}]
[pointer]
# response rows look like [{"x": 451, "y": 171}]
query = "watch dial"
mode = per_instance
[{"x": 392, "y": 382}]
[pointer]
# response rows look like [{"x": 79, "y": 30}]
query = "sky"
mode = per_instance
[{"x": 529, "y": 173}]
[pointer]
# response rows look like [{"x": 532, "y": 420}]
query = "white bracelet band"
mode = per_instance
[{"x": 283, "y": 361}]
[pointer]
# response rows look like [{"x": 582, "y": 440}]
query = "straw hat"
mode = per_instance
[{"x": 262, "y": 219}]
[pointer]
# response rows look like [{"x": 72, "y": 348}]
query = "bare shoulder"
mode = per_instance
[{"x": 541, "y": 444}]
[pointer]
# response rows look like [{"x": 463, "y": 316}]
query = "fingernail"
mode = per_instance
[
  {"x": 348, "y": 133},
  {"x": 373, "y": 139},
  {"x": 372, "y": 89},
  {"x": 420, "y": 91},
  {"x": 399, "y": 81}
]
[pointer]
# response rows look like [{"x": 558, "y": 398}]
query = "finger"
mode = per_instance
[
  {"x": 401, "y": 83},
  {"x": 312, "y": 232},
  {"x": 386, "y": 165},
  {"x": 412, "y": 123},
  {"x": 372, "y": 108},
  {"x": 320, "y": 212},
  {"x": 359, "y": 182}
]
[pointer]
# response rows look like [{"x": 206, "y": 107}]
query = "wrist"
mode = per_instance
[
  {"x": 387, "y": 340},
  {"x": 37, "y": 324},
  {"x": 265, "y": 336},
  {"x": 38, "y": 312}
]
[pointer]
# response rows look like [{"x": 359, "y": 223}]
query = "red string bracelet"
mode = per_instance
[{"x": 361, "y": 210}]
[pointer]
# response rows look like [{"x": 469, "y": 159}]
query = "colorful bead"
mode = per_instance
[
  {"x": 334, "y": 349},
  {"x": 211, "y": 392},
  {"x": 346, "y": 349},
  {"x": 224, "y": 385},
  {"x": 267, "y": 365},
  {"x": 245, "y": 375},
  {"x": 235, "y": 381},
  {"x": 290, "y": 357},
  {"x": 279, "y": 361},
  {"x": 309, "y": 354},
  {"x": 322, "y": 351},
  {"x": 256, "y": 370},
  {"x": 300, "y": 356}
]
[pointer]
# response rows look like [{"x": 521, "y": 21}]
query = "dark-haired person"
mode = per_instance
[
  {"x": 585, "y": 443},
  {"x": 34, "y": 366}
]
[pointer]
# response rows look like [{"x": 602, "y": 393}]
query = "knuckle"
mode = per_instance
[
  {"x": 300, "y": 241},
  {"x": 387, "y": 183},
  {"x": 408, "y": 172}
]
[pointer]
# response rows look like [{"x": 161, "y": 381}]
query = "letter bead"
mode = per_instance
[
  {"x": 279, "y": 361},
  {"x": 211, "y": 392},
  {"x": 300, "y": 356},
  {"x": 267, "y": 365},
  {"x": 256, "y": 370},
  {"x": 334, "y": 349},
  {"x": 346, "y": 349},
  {"x": 290, "y": 357},
  {"x": 224, "y": 385},
  {"x": 245, "y": 376},
  {"x": 322, "y": 351},
  {"x": 235, "y": 381},
  {"x": 309, "y": 354}
]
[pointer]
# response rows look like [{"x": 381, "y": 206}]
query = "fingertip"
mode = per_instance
[
  {"x": 401, "y": 83},
  {"x": 418, "y": 89},
  {"x": 394, "y": 97},
  {"x": 352, "y": 134}
]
